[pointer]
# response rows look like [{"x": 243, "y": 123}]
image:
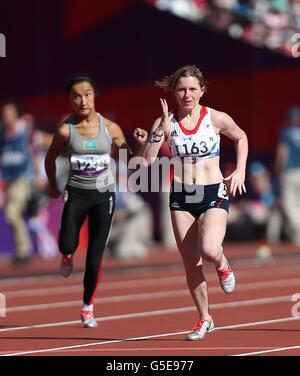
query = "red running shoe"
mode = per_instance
[
  {"x": 88, "y": 320},
  {"x": 226, "y": 278},
  {"x": 198, "y": 332},
  {"x": 66, "y": 266}
]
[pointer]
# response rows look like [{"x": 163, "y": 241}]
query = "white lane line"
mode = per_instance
[
  {"x": 104, "y": 286},
  {"x": 278, "y": 349},
  {"x": 106, "y": 300},
  {"x": 114, "y": 349},
  {"x": 239, "y": 303},
  {"x": 154, "y": 295},
  {"x": 258, "y": 323},
  {"x": 241, "y": 272},
  {"x": 35, "y": 278},
  {"x": 173, "y": 348},
  {"x": 94, "y": 344},
  {"x": 140, "y": 338},
  {"x": 172, "y": 280},
  {"x": 48, "y": 291}
]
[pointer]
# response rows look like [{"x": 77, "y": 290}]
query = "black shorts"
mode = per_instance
[{"x": 196, "y": 199}]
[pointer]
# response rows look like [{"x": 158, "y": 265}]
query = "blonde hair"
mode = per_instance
[{"x": 168, "y": 83}]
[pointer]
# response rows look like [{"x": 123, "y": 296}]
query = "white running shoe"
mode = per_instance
[
  {"x": 226, "y": 278},
  {"x": 66, "y": 266},
  {"x": 198, "y": 332},
  {"x": 88, "y": 320}
]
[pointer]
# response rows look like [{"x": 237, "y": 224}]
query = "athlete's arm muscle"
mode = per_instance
[
  {"x": 57, "y": 145},
  {"x": 224, "y": 124},
  {"x": 158, "y": 134}
]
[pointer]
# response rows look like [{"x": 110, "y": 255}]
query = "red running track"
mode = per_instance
[{"x": 147, "y": 312}]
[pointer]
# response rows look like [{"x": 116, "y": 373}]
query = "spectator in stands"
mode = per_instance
[
  {"x": 287, "y": 167},
  {"x": 37, "y": 209},
  {"x": 132, "y": 231},
  {"x": 17, "y": 170},
  {"x": 263, "y": 23},
  {"x": 260, "y": 205}
]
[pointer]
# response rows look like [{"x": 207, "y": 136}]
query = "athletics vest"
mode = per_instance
[
  {"x": 90, "y": 159},
  {"x": 199, "y": 143}
]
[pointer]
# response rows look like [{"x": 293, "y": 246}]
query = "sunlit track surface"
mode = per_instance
[{"x": 149, "y": 311}]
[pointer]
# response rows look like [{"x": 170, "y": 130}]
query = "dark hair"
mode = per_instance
[
  {"x": 168, "y": 83},
  {"x": 78, "y": 80}
]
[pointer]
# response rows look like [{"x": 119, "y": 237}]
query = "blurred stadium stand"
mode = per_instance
[
  {"x": 262, "y": 23},
  {"x": 125, "y": 45}
]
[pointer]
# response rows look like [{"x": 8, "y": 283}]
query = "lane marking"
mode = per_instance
[
  {"x": 238, "y": 303},
  {"x": 178, "y": 279},
  {"x": 142, "y": 338},
  {"x": 269, "y": 351},
  {"x": 157, "y": 349},
  {"x": 104, "y": 286},
  {"x": 241, "y": 272},
  {"x": 154, "y": 295}
]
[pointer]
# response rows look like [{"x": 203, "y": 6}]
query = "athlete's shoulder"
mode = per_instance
[
  {"x": 111, "y": 125},
  {"x": 213, "y": 112},
  {"x": 63, "y": 129},
  {"x": 218, "y": 117},
  {"x": 114, "y": 131}
]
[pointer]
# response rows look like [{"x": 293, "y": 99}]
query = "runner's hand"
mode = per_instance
[
  {"x": 166, "y": 117},
  {"x": 236, "y": 182},
  {"x": 140, "y": 135}
]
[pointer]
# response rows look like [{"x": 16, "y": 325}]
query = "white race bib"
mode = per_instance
[{"x": 89, "y": 164}]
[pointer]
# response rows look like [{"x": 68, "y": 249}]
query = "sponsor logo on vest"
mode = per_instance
[{"x": 174, "y": 133}]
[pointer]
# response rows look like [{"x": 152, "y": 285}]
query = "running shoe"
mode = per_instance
[
  {"x": 226, "y": 278},
  {"x": 66, "y": 266},
  {"x": 88, "y": 320},
  {"x": 198, "y": 332}
]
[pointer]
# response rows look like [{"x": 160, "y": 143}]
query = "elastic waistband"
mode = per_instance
[
  {"x": 191, "y": 188},
  {"x": 89, "y": 194}
]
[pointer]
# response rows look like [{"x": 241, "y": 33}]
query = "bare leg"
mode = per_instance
[
  {"x": 186, "y": 232},
  {"x": 212, "y": 231}
]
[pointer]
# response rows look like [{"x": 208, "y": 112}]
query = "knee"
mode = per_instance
[
  {"x": 211, "y": 252},
  {"x": 67, "y": 245}
]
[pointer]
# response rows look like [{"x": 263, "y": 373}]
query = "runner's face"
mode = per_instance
[
  {"x": 188, "y": 92},
  {"x": 83, "y": 99}
]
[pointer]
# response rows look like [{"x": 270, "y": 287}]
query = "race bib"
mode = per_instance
[{"x": 90, "y": 164}]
